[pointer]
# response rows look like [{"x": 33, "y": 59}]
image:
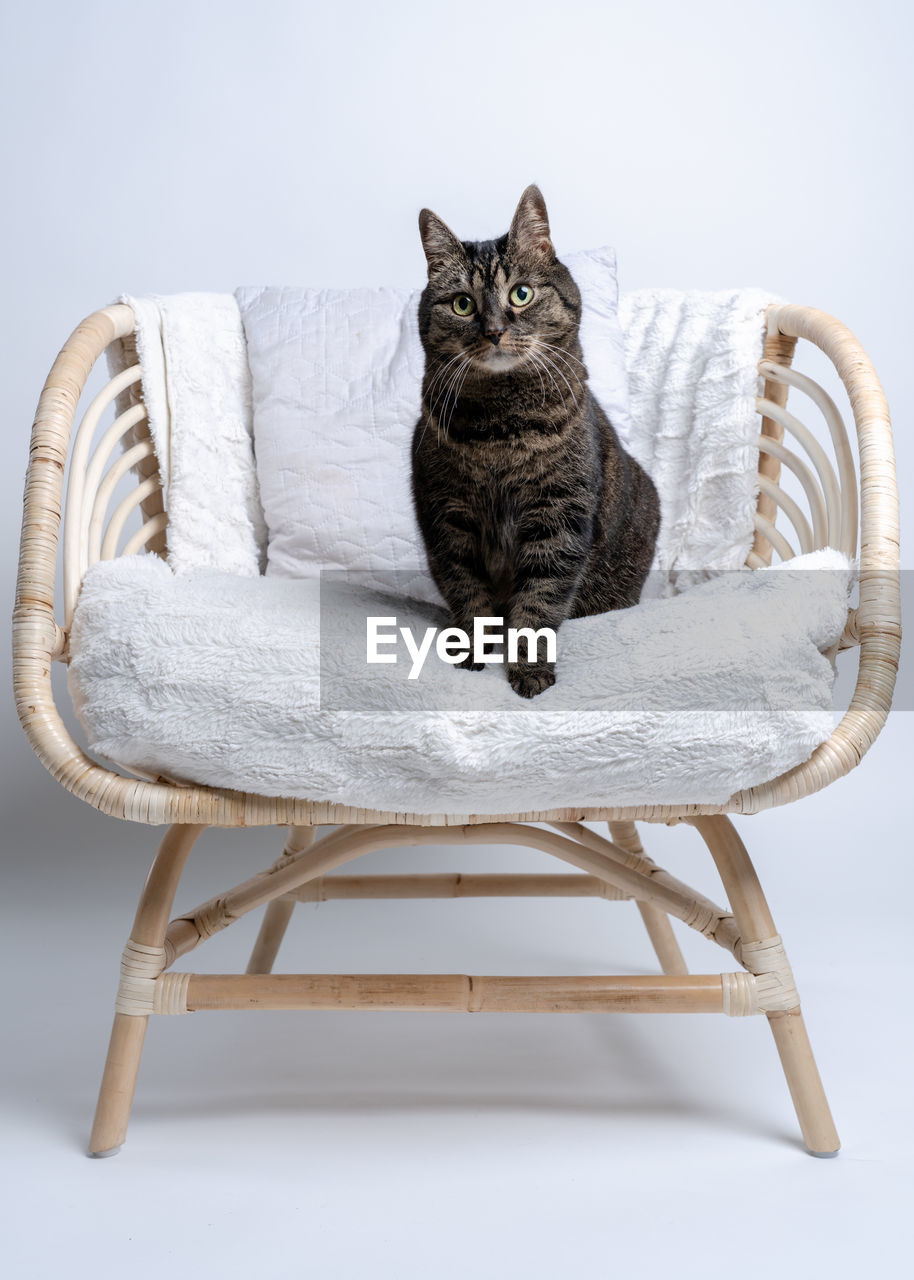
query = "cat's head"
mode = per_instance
[{"x": 500, "y": 303}]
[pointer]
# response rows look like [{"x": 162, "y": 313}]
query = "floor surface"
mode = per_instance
[{"x": 397, "y": 1145}]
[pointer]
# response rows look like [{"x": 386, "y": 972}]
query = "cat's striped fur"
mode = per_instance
[{"x": 529, "y": 507}]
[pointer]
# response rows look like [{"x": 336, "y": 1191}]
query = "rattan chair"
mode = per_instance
[{"x": 614, "y": 868}]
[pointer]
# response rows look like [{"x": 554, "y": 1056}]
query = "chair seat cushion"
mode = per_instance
[{"x": 262, "y": 685}]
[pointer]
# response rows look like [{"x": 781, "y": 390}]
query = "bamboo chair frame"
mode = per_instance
[{"x": 614, "y": 868}]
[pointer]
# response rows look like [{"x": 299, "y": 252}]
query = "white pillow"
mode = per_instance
[{"x": 337, "y": 388}]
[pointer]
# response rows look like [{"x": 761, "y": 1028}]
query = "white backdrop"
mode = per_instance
[{"x": 159, "y": 147}]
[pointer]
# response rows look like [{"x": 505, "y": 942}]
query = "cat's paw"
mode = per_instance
[
  {"x": 468, "y": 664},
  {"x": 528, "y": 681}
]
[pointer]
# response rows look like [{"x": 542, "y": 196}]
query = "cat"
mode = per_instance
[{"x": 529, "y": 507}]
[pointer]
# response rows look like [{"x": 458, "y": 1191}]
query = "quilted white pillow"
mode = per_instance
[{"x": 337, "y": 388}]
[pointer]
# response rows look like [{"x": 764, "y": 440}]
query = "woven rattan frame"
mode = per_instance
[
  {"x": 38, "y": 639},
  {"x": 614, "y": 869}
]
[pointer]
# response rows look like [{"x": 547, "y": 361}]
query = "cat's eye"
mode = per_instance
[
  {"x": 520, "y": 295},
  {"x": 464, "y": 305}
]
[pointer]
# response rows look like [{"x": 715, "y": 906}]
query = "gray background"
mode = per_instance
[{"x": 167, "y": 147}]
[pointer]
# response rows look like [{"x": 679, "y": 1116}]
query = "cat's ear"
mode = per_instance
[
  {"x": 438, "y": 240},
  {"x": 529, "y": 234}
]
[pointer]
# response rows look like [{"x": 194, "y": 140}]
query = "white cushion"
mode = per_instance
[
  {"x": 222, "y": 680},
  {"x": 337, "y": 380}
]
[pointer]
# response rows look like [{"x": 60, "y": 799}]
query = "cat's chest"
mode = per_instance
[
  {"x": 496, "y": 501},
  {"x": 503, "y": 480}
]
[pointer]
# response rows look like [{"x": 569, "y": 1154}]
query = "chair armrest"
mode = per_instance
[
  {"x": 877, "y": 620},
  {"x": 38, "y": 639}
]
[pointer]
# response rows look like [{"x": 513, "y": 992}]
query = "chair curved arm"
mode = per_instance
[
  {"x": 38, "y": 640},
  {"x": 877, "y": 619}
]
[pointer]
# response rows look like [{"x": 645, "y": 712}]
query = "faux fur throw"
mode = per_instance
[
  {"x": 222, "y": 680},
  {"x": 693, "y": 381}
]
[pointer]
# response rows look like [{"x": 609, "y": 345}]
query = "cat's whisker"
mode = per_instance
[
  {"x": 551, "y": 346},
  {"x": 462, "y": 374},
  {"x": 549, "y": 374},
  {"x": 527, "y": 358},
  {"x": 456, "y": 384},
  {"x": 438, "y": 393},
  {"x": 537, "y": 343},
  {"x": 427, "y": 411},
  {"x": 442, "y": 402},
  {"x": 430, "y": 400},
  {"x": 452, "y": 386},
  {"x": 564, "y": 356},
  {"x": 429, "y": 392},
  {"x": 556, "y": 355},
  {"x": 443, "y": 369},
  {"x": 538, "y": 365},
  {"x": 444, "y": 389},
  {"x": 562, "y": 372},
  {"x": 557, "y": 369}
]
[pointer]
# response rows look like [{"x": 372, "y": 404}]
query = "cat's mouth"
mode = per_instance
[{"x": 497, "y": 359}]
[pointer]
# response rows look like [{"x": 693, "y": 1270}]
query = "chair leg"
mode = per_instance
[
  {"x": 279, "y": 911},
  {"x": 272, "y": 931},
  {"x": 663, "y": 940},
  {"x": 756, "y": 925},
  {"x": 656, "y": 921},
  {"x": 147, "y": 938},
  {"x": 115, "y": 1097}
]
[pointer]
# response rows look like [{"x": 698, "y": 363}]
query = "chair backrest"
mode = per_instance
[{"x": 810, "y": 485}]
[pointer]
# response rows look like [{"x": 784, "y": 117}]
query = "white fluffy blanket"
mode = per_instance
[
  {"x": 693, "y": 380},
  {"x": 222, "y": 680}
]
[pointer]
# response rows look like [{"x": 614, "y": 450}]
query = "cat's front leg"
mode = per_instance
[
  {"x": 547, "y": 581},
  {"x": 532, "y": 672},
  {"x": 468, "y": 597}
]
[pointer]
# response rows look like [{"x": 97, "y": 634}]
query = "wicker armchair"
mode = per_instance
[{"x": 616, "y": 867}]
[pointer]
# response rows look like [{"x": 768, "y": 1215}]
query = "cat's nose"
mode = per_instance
[{"x": 494, "y": 336}]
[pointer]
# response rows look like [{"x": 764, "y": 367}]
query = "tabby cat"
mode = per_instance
[{"x": 529, "y": 507}]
